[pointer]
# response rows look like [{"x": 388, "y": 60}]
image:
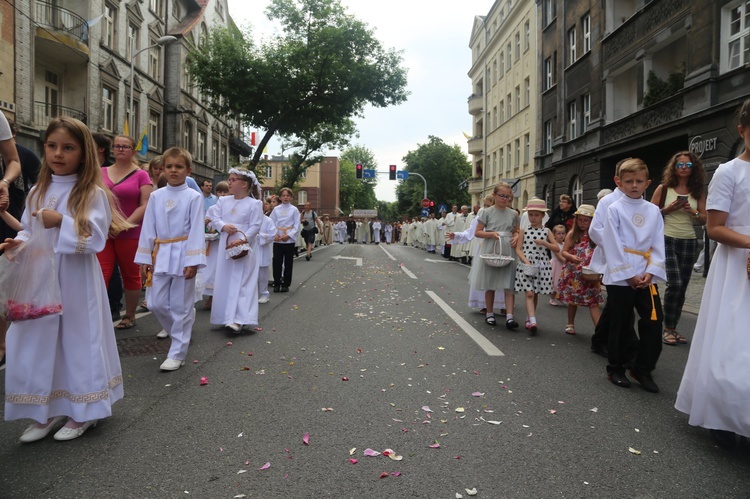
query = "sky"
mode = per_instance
[{"x": 434, "y": 37}]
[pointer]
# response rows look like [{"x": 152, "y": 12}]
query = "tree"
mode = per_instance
[
  {"x": 362, "y": 193},
  {"x": 324, "y": 67},
  {"x": 443, "y": 166}
]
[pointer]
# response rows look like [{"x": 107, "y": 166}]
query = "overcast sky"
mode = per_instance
[{"x": 434, "y": 37}]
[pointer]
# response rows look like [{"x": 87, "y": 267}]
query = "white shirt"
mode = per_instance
[{"x": 286, "y": 219}]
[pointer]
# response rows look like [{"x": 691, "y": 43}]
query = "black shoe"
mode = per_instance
[
  {"x": 619, "y": 379},
  {"x": 724, "y": 438},
  {"x": 599, "y": 350},
  {"x": 511, "y": 324},
  {"x": 490, "y": 320},
  {"x": 646, "y": 381},
  {"x": 307, "y": 257},
  {"x": 2, "y": 361},
  {"x": 276, "y": 289},
  {"x": 284, "y": 289}
]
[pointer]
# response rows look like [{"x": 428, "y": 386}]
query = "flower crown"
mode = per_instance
[{"x": 250, "y": 175}]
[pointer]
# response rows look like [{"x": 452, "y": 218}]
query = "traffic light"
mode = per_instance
[
  {"x": 432, "y": 204},
  {"x": 359, "y": 170},
  {"x": 392, "y": 172}
]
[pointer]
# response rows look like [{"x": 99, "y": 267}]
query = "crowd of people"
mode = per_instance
[{"x": 121, "y": 227}]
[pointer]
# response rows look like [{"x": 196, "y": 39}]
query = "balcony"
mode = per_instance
[
  {"x": 476, "y": 103},
  {"x": 59, "y": 30},
  {"x": 663, "y": 113},
  {"x": 475, "y": 185},
  {"x": 476, "y": 145},
  {"x": 44, "y": 113}
]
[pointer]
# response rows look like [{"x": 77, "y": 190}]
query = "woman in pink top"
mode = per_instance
[{"x": 132, "y": 187}]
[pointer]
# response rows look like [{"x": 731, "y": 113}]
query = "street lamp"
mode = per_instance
[{"x": 164, "y": 40}]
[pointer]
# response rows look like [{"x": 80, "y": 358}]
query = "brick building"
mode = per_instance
[{"x": 319, "y": 185}]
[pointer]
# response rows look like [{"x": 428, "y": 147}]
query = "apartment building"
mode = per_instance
[
  {"x": 319, "y": 185},
  {"x": 671, "y": 75},
  {"x": 504, "y": 101},
  {"x": 74, "y": 57}
]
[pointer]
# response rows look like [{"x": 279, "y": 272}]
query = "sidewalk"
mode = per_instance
[{"x": 694, "y": 293}]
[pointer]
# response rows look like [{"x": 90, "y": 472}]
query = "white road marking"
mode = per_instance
[
  {"x": 386, "y": 252},
  {"x": 408, "y": 272},
  {"x": 438, "y": 261},
  {"x": 339, "y": 257},
  {"x": 475, "y": 335}
]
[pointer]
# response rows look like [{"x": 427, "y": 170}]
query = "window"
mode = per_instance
[
  {"x": 51, "y": 95},
  {"x": 214, "y": 153},
  {"x": 518, "y": 152},
  {"x": 548, "y": 136},
  {"x": 510, "y": 107},
  {"x": 154, "y": 60},
  {"x": 494, "y": 163},
  {"x": 494, "y": 72},
  {"x": 548, "y": 73},
  {"x": 134, "y": 123},
  {"x": 108, "y": 28},
  {"x": 572, "y": 45},
  {"x": 154, "y": 121},
  {"x": 157, "y": 7},
  {"x": 509, "y": 52},
  {"x": 223, "y": 163},
  {"x": 269, "y": 171},
  {"x": 586, "y": 105},
  {"x": 738, "y": 37},
  {"x": 494, "y": 117},
  {"x": 187, "y": 80},
  {"x": 187, "y": 137},
  {"x": 572, "y": 120},
  {"x": 548, "y": 12},
  {"x": 502, "y": 160},
  {"x": 134, "y": 41},
  {"x": 527, "y": 91},
  {"x": 108, "y": 109},
  {"x": 518, "y": 98},
  {"x": 577, "y": 191},
  {"x": 526, "y": 149},
  {"x": 509, "y": 153},
  {"x": 586, "y": 27},
  {"x": 527, "y": 35},
  {"x": 220, "y": 8},
  {"x": 502, "y": 63},
  {"x": 502, "y": 111},
  {"x": 202, "y": 140},
  {"x": 176, "y": 10},
  {"x": 302, "y": 197},
  {"x": 518, "y": 46}
]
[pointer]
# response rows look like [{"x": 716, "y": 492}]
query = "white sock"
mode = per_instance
[
  {"x": 509, "y": 317},
  {"x": 490, "y": 314},
  {"x": 532, "y": 319}
]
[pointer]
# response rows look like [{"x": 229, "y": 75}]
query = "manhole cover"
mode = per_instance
[{"x": 142, "y": 345}]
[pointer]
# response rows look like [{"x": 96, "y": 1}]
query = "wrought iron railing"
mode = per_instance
[
  {"x": 44, "y": 112},
  {"x": 55, "y": 17}
]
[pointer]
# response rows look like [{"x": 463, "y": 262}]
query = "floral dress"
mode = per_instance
[
  {"x": 572, "y": 287},
  {"x": 537, "y": 255}
]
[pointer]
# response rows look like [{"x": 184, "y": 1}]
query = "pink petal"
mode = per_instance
[
  {"x": 371, "y": 453},
  {"x": 265, "y": 466},
  {"x": 344, "y": 379},
  {"x": 477, "y": 394},
  {"x": 434, "y": 446},
  {"x": 306, "y": 439},
  {"x": 552, "y": 411},
  {"x": 396, "y": 473},
  {"x": 384, "y": 474},
  {"x": 426, "y": 408},
  {"x": 353, "y": 461},
  {"x": 476, "y": 372},
  {"x": 229, "y": 343},
  {"x": 204, "y": 380},
  {"x": 195, "y": 361},
  {"x": 247, "y": 462},
  {"x": 259, "y": 329}
]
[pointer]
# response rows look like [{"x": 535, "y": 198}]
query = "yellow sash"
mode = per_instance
[
  {"x": 651, "y": 287},
  {"x": 157, "y": 243}
]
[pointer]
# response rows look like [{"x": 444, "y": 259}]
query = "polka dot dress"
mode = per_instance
[{"x": 537, "y": 255}]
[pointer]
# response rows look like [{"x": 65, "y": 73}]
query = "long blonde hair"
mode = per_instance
[{"x": 89, "y": 179}]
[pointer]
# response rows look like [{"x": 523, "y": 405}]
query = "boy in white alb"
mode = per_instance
[
  {"x": 265, "y": 238},
  {"x": 633, "y": 244},
  {"x": 170, "y": 251}
]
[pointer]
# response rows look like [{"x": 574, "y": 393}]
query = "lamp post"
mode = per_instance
[{"x": 164, "y": 40}]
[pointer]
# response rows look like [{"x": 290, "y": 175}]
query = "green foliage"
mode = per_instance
[
  {"x": 323, "y": 68},
  {"x": 355, "y": 193},
  {"x": 388, "y": 212},
  {"x": 443, "y": 166},
  {"x": 659, "y": 89}
]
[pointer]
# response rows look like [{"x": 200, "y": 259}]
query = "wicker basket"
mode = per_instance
[
  {"x": 590, "y": 275},
  {"x": 239, "y": 248},
  {"x": 528, "y": 270},
  {"x": 496, "y": 259}
]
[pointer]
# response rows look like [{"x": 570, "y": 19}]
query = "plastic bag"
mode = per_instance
[{"x": 28, "y": 277}]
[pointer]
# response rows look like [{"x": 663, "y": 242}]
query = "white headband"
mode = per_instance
[{"x": 247, "y": 174}]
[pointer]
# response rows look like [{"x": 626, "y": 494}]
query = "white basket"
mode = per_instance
[
  {"x": 495, "y": 259},
  {"x": 590, "y": 275},
  {"x": 528, "y": 270},
  {"x": 211, "y": 236}
]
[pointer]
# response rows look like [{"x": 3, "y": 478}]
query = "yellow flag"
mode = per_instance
[{"x": 126, "y": 129}]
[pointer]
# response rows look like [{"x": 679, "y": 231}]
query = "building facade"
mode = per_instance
[
  {"x": 73, "y": 58},
  {"x": 504, "y": 101},
  {"x": 671, "y": 76},
  {"x": 319, "y": 184}
]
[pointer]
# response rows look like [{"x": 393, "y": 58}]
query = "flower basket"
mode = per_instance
[
  {"x": 496, "y": 259},
  {"x": 590, "y": 275},
  {"x": 239, "y": 248},
  {"x": 528, "y": 270}
]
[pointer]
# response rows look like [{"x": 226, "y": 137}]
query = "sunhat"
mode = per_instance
[
  {"x": 586, "y": 210},
  {"x": 536, "y": 205}
]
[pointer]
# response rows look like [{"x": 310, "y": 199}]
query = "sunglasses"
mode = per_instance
[{"x": 684, "y": 165}]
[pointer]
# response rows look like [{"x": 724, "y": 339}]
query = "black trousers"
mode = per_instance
[
  {"x": 283, "y": 257},
  {"x": 621, "y": 334}
]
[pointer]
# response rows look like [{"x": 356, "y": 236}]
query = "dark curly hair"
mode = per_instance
[{"x": 697, "y": 179}]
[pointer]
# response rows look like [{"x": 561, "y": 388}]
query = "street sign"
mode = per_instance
[
  {"x": 425, "y": 212},
  {"x": 368, "y": 173},
  {"x": 442, "y": 208},
  {"x": 402, "y": 175},
  {"x": 425, "y": 203}
]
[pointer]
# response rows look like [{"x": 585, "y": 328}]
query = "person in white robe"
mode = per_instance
[
  {"x": 237, "y": 217},
  {"x": 358, "y": 232},
  {"x": 459, "y": 225},
  {"x": 376, "y": 226},
  {"x": 263, "y": 247},
  {"x": 431, "y": 234},
  {"x": 212, "y": 250},
  {"x": 388, "y": 233},
  {"x": 171, "y": 250},
  {"x": 365, "y": 232}
]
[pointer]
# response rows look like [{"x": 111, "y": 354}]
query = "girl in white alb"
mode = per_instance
[
  {"x": 263, "y": 247},
  {"x": 238, "y": 217}
]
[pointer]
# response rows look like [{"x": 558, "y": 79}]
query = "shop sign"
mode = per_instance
[{"x": 699, "y": 145}]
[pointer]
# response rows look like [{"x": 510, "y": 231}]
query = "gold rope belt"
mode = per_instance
[
  {"x": 157, "y": 243},
  {"x": 284, "y": 229},
  {"x": 651, "y": 287}
]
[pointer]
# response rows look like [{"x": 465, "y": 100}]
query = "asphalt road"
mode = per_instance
[{"x": 366, "y": 357}]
